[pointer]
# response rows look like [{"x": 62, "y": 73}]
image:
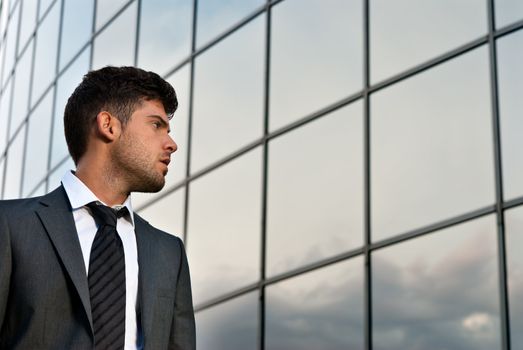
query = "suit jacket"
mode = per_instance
[{"x": 44, "y": 294}]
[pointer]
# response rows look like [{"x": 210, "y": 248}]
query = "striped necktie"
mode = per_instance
[{"x": 106, "y": 279}]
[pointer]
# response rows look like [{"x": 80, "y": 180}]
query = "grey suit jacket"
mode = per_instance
[{"x": 44, "y": 296}]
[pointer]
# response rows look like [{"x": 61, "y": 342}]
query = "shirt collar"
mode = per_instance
[{"x": 80, "y": 195}]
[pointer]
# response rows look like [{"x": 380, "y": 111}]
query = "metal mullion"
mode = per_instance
[
  {"x": 138, "y": 28},
  {"x": 91, "y": 40},
  {"x": 367, "y": 287},
  {"x": 189, "y": 123},
  {"x": 55, "y": 84},
  {"x": 502, "y": 258},
  {"x": 513, "y": 27},
  {"x": 265, "y": 184}
]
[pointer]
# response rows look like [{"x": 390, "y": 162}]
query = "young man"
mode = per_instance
[{"x": 80, "y": 270}]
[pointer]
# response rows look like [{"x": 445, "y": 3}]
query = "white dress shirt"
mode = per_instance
[{"x": 80, "y": 195}]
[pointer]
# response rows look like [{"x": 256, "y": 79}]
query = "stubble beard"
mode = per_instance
[{"x": 136, "y": 168}]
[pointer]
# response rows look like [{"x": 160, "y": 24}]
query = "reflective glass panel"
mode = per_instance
[
  {"x": 69, "y": 80},
  {"x": 106, "y": 9},
  {"x": 58, "y": 174},
  {"x": 115, "y": 45},
  {"x": 38, "y": 139},
  {"x": 4, "y": 14},
  {"x": 223, "y": 239},
  {"x": 20, "y": 105},
  {"x": 318, "y": 209},
  {"x": 508, "y": 11},
  {"x": 76, "y": 27},
  {"x": 165, "y": 34},
  {"x": 43, "y": 5},
  {"x": 228, "y": 95},
  {"x": 5, "y": 102},
  {"x": 322, "y": 309},
  {"x": 431, "y": 144},
  {"x": 12, "y": 31},
  {"x": 439, "y": 291},
  {"x": 510, "y": 82},
  {"x": 15, "y": 156},
  {"x": 229, "y": 326},
  {"x": 40, "y": 191},
  {"x": 46, "y": 52},
  {"x": 514, "y": 244},
  {"x": 404, "y": 33},
  {"x": 215, "y": 17},
  {"x": 316, "y": 56},
  {"x": 167, "y": 214},
  {"x": 28, "y": 22}
]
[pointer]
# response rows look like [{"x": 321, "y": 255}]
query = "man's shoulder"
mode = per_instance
[{"x": 17, "y": 205}]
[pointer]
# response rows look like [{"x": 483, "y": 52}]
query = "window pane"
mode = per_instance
[
  {"x": 405, "y": 33},
  {"x": 508, "y": 11},
  {"x": 514, "y": 243},
  {"x": 439, "y": 291},
  {"x": 431, "y": 145},
  {"x": 228, "y": 96},
  {"x": 115, "y": 45},
  {"x": 5, "y": 102},
  {"x": 28, "y": 22},
  {"x": 223, "y": 239},
  {"x": 43, "y": 6},
  {"x": 69, "y": 80},
  {"x": 316, "y": 56},
  {"x": 317, "y": 210},
  {"x": 165, "y": 34},
  {"x": 58, "y": 173},
  {"x": 322, "y": 309},
  {"x": 167, "y": 214},
  {"x": 12, "y": 31},
  {"x": 229, "y": 326},
  {"x": 13, "y": 175},
  {"x": 510, "y": 81},
  {"x": 106, "y": 9},
  {"x": 76, "y": 27},
  {"x": 37, "y": 151},
  {"x": 46, "y": 50},
  {"x": 215, "y": 17},
  {"x": 21, "y": 90}
]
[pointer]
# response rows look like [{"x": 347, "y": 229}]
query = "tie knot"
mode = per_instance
[{"x": 104, "y": 215}]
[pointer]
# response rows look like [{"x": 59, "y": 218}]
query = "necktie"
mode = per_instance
[{"x": 106, "y": 279}]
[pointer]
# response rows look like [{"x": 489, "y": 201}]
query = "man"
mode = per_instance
[{"x": 79, "y": 270}]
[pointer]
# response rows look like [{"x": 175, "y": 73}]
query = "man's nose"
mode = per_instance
[{"x": 171, "y": 145}]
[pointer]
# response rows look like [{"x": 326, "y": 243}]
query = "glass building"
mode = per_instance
[{"x": 349, "y": 172}]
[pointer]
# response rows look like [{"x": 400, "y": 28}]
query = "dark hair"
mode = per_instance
[{"x": 117, "y": 90}]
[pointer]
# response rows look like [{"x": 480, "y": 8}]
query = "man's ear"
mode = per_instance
[{"x": 108, "y": 126}]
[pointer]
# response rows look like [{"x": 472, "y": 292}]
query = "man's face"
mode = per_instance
[{"x": 143, "y": 151}]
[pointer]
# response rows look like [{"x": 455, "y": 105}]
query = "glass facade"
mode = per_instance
[{"x": 349, "y": 172}]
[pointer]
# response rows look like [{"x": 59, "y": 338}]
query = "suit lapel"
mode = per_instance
[
  {"x": 147, "y": 275},
  {"x": 57, "y": 218}
]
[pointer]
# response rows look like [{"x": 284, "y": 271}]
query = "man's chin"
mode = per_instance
[{"x": 150, "y": 187}]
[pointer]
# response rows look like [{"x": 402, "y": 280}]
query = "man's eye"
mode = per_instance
[{"x": 157, "y": 125}]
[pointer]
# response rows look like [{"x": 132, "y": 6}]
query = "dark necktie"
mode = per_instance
[{"x": 107, "y": 279}]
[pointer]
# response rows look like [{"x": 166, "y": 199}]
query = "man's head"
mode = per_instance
[{"x": 117, "y": 90}]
